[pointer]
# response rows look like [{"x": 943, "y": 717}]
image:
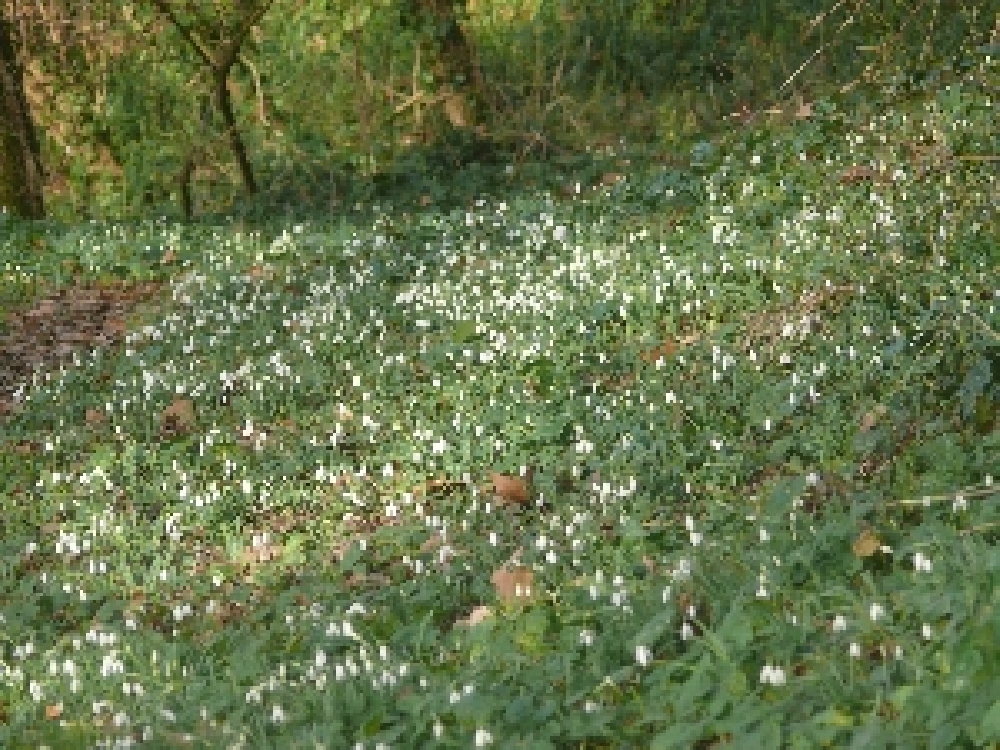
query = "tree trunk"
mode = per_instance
[
  {"x": 457, "y": 53},
  {"x": 21, "y": 173},
  {"x": 220, "y": 61}
]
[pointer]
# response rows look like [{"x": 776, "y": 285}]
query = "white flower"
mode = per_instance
[
  {"x": 839, "y": 624},
  {"x": 921, "y": 563},
  {"x": 876, "y": 611},
  {"x": 643, "y": 655},
  {"x": 927, "y": 631},
  {"x": 772, "y": 675},
  {"x": 483, "y": 738}
]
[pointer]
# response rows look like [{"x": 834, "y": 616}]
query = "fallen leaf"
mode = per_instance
[
  {"x": 115, "y": 326},
  {"x": 476, "y": 616},
  {"x": 253, "y": 556},
  {"x": 26, "y": 447},
  {"x": 53, "y": 711},
  {"x": 867, "y": 544},
  {"x": 509, "y": 490},
  {"x": 664, "y": 350},
  {"x": 95, "y": 417},
  {"x": 431, "y": 543},
  {"x": 258, "y": 271},
  {"x": 168, "y": 257},
  {"x": 513, "y": 584},
  {"x": 178, "y": 417},
  {"x": 871, "y": 418},
  {"x": 456, "y": 109},
  {"x": 854, "y": 175}
]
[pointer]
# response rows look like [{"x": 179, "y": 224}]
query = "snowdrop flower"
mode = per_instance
[
  {"x": 772, "y": 675},
  {"x": 921, "y": 563},
  {"x": 643, "y": 655},
  {"x": 839, "y": 624}
]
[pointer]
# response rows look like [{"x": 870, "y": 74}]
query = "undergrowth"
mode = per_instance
[{"x": 680, "y": 457}]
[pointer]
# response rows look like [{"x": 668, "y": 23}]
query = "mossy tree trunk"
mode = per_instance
[{"x": 21, "y": 173}]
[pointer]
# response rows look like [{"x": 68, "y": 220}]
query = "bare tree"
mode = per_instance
[{"x": 219, "y": 56}]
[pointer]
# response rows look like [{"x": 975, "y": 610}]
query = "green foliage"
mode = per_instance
[{"x": 756, "y": 390}]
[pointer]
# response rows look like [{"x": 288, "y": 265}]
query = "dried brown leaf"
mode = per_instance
[
  {"x": 871, "y": 418},
  {"x": 509, "y": 490},
  {"x": 476, "y": 616},
  {"x": 867, "y": 544},
  {"x": 456, "y": 109},
  {"x": 178, "y": 417},
  {"x": 513, "y": 584},
  {"x": 665, "y": 350}
]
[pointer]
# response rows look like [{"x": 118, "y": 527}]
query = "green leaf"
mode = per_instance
[
  {"x": 836, "y": 718},
  {"x": 464, "y": 331},
  {"x": 736, "y": 683},
  {"x": 351, "y": 558},
  {"x": 989, "y": 727},
  {"x": 652, "y": 630},
  {"x": 783, "y": 494}
]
